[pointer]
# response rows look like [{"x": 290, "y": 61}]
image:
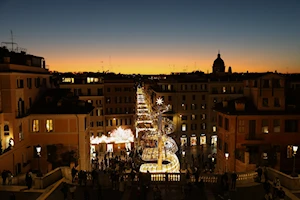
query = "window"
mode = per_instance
[
  {"x": 203, "y": 116},
  {"x": 49, "y": 125},
  {"x": 232, "y": 89},
  {"x": 220, "y": 121},
  {"x": 183, "y": 97},
  {"x": 215, "y": 100},
  {"x": 203, "y": 106},
  {"x": 226, "y": 124},
  {"x": 203, "y": 126},
  {"x": 35, "y": 125},
  {"x": 184, "y": 117},
  {"x": 99, "y": 123},
  {"x": 224, "y": 89},
  {"x": 193, "y": 117},
  {"x": 100, "y": 92},
  {"x": 276, "y": 83},
  {"x": 241, "y": 126},
  {"x": 265, "y": 102},
  {"x": 20, "y": 83},
  {"x": 193, "y": 126},
  {"x": 214, "y": 128},
  {"x": 89, "y": 92},
  {"x": 193, "y": 106},
  {"x": 21, "y": 135},
  {"x": 203, "y": 97},
  {"x": 291, "y": 125},
  {"x": 276, "y": 102},
  {"x": 92, "y": 124},
  {"x": 276, "y": 125},
  {"x": 194, "y": 97},
  {"x": 266, "y": 83},
  {"x": 6, "y": 129},
  {"x": 265, "y": 126},
  {"x": 29, "y": 83},
  {"x": 183, "y": 127}
]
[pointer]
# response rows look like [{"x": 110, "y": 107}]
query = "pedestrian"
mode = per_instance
[
  {"x": 94, "y": 177},
  {"x": 64, "y": 190},
  {"x": 28, "y": 180},
  {"x": 259, "y": 173},
  {"x": 99, "y": 192},
  {"x": 234, "y": 177},
  {"x": 12, "y": 196},
  {"x": 10, "y": 177},
  {"x": 86, "y": 194},
  {"x": 281, "y": 194},
  {"x": 72, "y": 190},
  {"x": 73, "y": 172},
  {"x": 4, "y": 175},
  {"x": 121, "y": 186}
]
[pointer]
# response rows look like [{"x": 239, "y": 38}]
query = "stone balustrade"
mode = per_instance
[{"x": 287, "y": 181}]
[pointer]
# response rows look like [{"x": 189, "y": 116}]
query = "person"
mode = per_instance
[
  {"x": 28, "y": 179},
  {"x": 94, "y": 177},
  {"x": 72, "y": 190},
  {"x": 281, "y": 194},
  {"x": 4, "y": 175},
  {"x": 121, "y": 186},
  {"x": 99, "y": 192},
  {"x": 86, "y": 194},
  {"x": 268, "y": 196},
  {"x": 259, "y": 173},
  {"x": 12, "y": 196},
  {"x": 64, "y": 190},
  {"x": 10, "y": 177},
  {"x": 234, "y": 177},
  {"x": 73, "y": 172}
]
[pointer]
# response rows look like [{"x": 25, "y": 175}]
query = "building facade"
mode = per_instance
[{"x": 259, "y": 128}]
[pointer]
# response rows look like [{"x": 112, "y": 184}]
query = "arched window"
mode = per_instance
[{"x": 6, "y": 129}]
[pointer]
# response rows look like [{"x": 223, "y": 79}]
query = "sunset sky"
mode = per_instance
[{"x": 156, "y": 36}]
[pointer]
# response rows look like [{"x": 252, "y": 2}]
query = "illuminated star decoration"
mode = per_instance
[{"x": 159, "y": 101}]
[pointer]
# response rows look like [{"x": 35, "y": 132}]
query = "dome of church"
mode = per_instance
[{"x": 219, "y": 65}]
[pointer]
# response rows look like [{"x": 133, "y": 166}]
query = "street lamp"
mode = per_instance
[
  {"x": 38, "y": 151},
  {"x": 226, "y": 156},
  {"x": 295, "y": 148}
]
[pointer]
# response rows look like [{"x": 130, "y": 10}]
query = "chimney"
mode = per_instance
[
  {"x": 225, "y": 104},
  {"x": 239, "y": 105}
]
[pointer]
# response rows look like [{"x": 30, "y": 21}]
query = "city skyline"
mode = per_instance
[{"x": 154, "y": 37}]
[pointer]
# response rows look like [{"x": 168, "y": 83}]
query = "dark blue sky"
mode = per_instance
[{"x": 161, "y": 36}]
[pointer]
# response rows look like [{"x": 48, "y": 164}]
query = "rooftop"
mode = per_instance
[
  {"x": 60, "y": 101},
  {"x": 292, "y": 108}
]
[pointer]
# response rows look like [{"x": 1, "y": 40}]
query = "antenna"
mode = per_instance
[{"x": 12, "y": 40}]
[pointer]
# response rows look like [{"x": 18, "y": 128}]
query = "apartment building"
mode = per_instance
[
  {"x": 114, "y": 100},
  {"x": 23, "y": 78},
  {"x": 261, "y": 127},
  {"x": 192, "y": 97}
]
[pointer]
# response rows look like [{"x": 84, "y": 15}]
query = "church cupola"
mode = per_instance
[{"x": 218, "y": 65}]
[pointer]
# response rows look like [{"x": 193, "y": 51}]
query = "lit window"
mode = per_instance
[
  {"x": 183, "y": 127},
  {"x": 214, "y": 128},
  {"x": 224, "y": 89},
  {"x": 203, "y": 116},
  {"x": 193, "y": 117},
  {"x": 49, "y": 125},
  {"x": 265, "y": 126},
  {"x": 276, "y": 125},
  {"x": 35, "y": 125}
]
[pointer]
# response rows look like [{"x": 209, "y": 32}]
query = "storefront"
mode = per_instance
[
  {"x": 202, "y": 139},
  {"x": 193, "y": 140},
  {"x": 183, "y": 140},
  {"x": 214, "y": 140},
  {"x": 118, "y": 140}
]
